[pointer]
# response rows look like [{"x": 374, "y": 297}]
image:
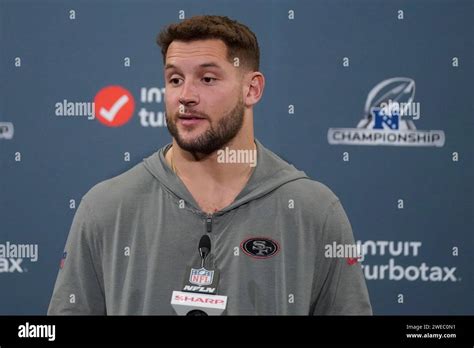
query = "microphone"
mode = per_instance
[
  {"x": 204, "y": 248},
  {"x": 199, "y": 295}
]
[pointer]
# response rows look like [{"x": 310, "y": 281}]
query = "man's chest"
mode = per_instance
[
  {"x": 212, "y": 200},
  {"x": 263, "y": 263}
]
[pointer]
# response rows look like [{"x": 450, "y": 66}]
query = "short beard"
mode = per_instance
[{"x": 213, "y": 139}]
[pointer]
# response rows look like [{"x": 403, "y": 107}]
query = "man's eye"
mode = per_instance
[
  {"x": 174, "y": 81},
  {"x": 209, "y": 79}
]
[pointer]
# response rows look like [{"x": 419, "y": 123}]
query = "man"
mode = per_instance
[{"x": 135, "y": 236}]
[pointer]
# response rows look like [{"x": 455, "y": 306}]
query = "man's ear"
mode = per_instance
[{"x": 254, "y": 83}]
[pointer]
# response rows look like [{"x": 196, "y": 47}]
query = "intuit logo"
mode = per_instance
[{"x": 390, "y": 270}]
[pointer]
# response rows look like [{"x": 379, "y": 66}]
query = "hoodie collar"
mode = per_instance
[{"x": 270, "y": 173}]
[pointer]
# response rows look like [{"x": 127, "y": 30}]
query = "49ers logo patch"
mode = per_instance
[{"x": 260, "y": 247}]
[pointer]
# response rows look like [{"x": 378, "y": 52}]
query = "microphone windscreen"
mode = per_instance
[{"x": 205, "y": 243}]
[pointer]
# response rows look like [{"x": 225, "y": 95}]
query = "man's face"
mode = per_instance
[{"x": 204, "y": 106}]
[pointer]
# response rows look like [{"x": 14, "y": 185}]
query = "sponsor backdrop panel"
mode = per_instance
[{"x": 372, "y": 98}]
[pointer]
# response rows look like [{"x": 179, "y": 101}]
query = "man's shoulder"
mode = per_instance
[
  {"x": 312, "y": 195},
  {"x": 128, "y": 185}
]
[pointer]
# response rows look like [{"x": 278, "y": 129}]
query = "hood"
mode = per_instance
[{"x": 270, "y": 173}]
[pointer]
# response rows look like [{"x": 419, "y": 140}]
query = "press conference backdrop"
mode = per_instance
[{"x": 404, "y": 174}]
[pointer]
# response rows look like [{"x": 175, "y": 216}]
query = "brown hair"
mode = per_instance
[{"x": 241, "y": 42}]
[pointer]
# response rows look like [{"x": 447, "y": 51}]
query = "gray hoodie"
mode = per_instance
[{"x": 134, "y": 236}]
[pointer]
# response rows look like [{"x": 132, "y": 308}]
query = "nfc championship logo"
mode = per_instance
[
  {"x": 201, "y": 276},
  {"x": 388, "y": 119}
]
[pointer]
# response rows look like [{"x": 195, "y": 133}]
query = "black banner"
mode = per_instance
[{"x": 139, "y": 330}]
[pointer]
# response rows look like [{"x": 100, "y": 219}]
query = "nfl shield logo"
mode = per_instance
[{"x": 201, "y": 276}]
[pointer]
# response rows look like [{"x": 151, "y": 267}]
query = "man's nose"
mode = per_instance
[{"x": 189, "y": 95}]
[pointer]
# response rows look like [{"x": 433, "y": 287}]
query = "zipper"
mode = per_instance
[{"x": 209, "y": 223}]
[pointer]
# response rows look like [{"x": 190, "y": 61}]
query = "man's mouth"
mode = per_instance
[{"x": 190, "y": 119}]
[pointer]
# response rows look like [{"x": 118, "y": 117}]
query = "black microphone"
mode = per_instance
[
  {"x": 204, "y": 248},
  {"x": 199, "y": 294}
]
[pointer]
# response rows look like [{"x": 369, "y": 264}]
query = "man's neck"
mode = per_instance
[
  {"x": 214, "y": 185},
  {"x": 213, "y": 168}
]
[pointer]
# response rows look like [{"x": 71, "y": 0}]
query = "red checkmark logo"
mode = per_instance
[{"x": 114, "y": 106}]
